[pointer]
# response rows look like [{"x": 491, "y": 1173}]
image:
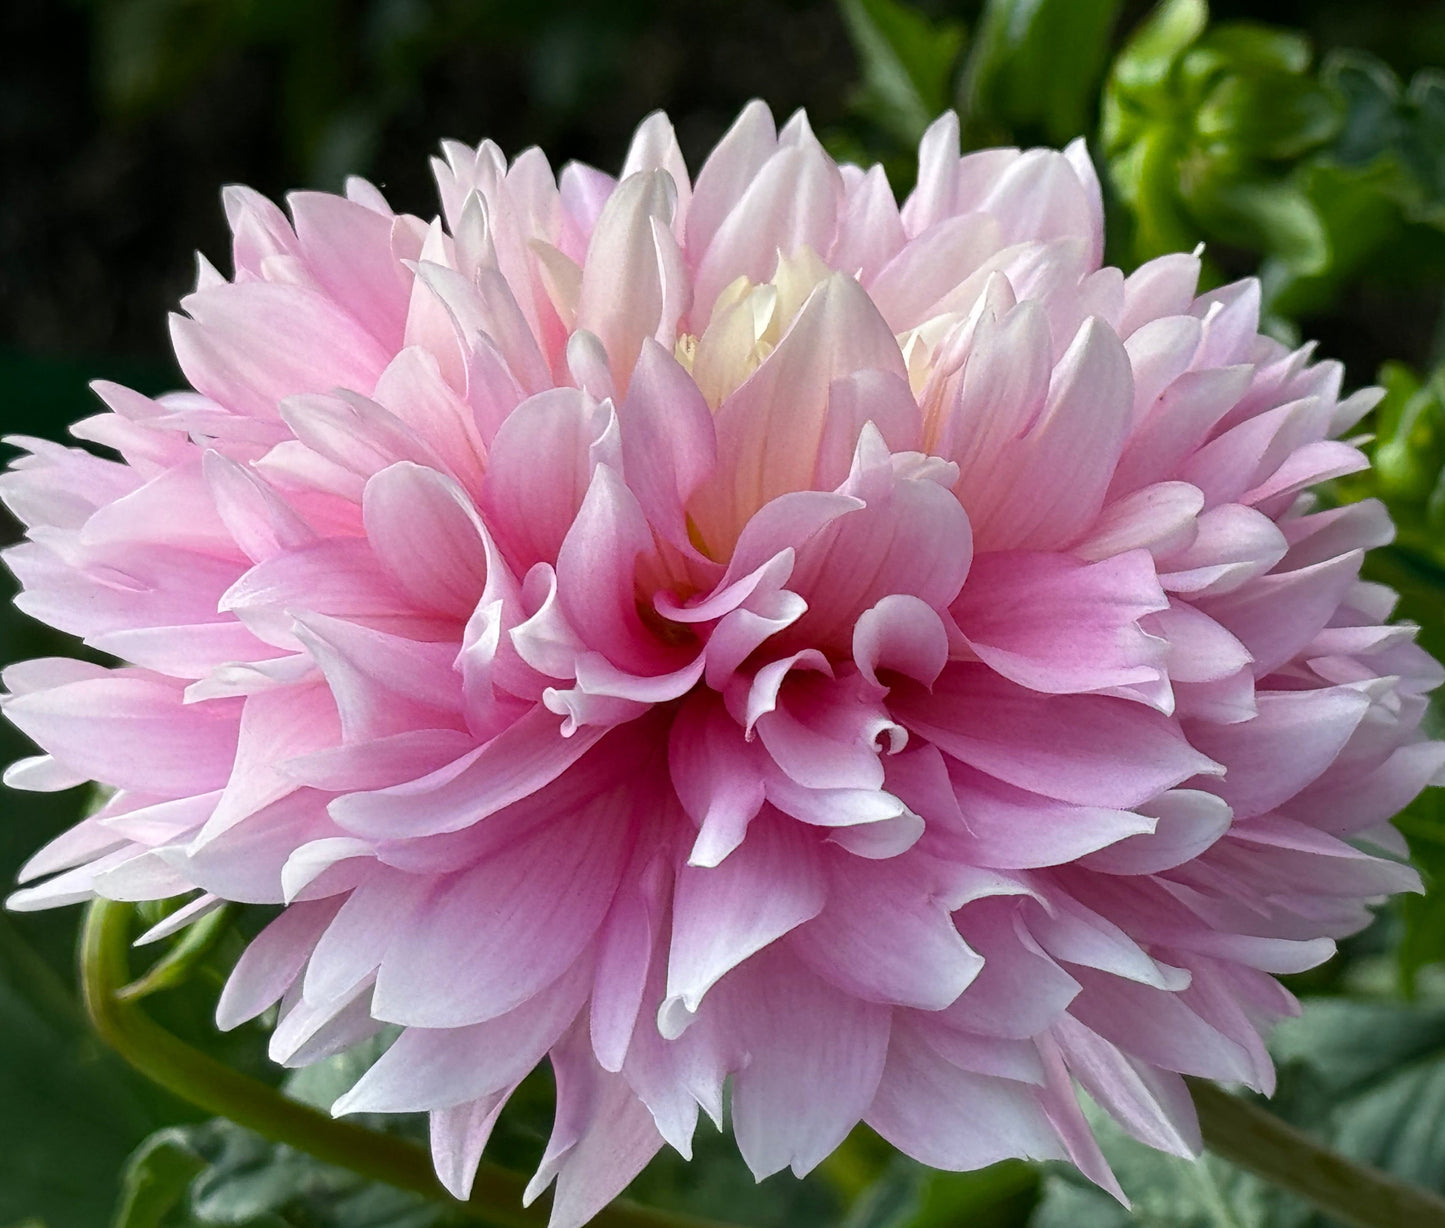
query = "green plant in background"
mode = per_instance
[
  {"x": 1408, "y": 456},
  {"x": 1201, "y": 127},
  {"x": 907, "y": 62},
  {"x": 1035, "y": 69},
  {"x": 1031, "y": 73},
  {"x": 1230, "y": 134}
]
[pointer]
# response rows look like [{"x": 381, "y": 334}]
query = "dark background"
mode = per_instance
[{"x": 121, "y": 119}]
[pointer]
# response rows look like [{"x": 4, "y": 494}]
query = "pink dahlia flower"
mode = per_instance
[{"x": 734, "y": 631}]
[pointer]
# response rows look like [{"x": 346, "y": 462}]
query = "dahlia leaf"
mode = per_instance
[
  {"x": 156, "y": 1179},
  {"x": 1148, "y": 57},
  {"x": 1036, "y": 65},
  {"x": 217, "y": 1175}
]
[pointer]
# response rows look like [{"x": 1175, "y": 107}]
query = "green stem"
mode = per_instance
[
  {"x": 223, "y": 1092},
  {"x": 1253, "y": 1138}
]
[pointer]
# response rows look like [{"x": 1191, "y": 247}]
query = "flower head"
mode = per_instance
[{"x": 731, "y": 630}]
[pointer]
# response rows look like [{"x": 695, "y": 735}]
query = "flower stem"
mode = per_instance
[
  {"x": 217, "y": 1089},
  {"x": 1255, "y": 1139}
]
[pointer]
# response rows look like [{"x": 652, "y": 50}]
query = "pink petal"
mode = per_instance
[
  {"x": 1154, "y": 1106},
  {"x": 272, "y": 961},
  {"x": 952, "y": 1119},
  {"x": 816, "y": 1055},
  {"x": 621, "y": 299},
  {"x": 1056, "y": 625},
  {"x": 884, "y": 937},
  {"x": 132, "y": 732},
  {"x": 771, "y": 884},
  {"x": 501, "y": 931},
  {"x": 252, "y": 344},
  {"x": 1090, "y": 750},
  {"x": 516, "y": 763},
  {"x": 437, "y": 1068}
]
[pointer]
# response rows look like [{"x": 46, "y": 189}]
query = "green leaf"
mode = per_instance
[
  {"x": 1276, "y": 217},
  {"x": 1422, "y": 941},
  {"x": 1370, "y": 1076},
  {"x": 1165, "y": 1191},
  {"x": 1371, "y": 96},
  {"x": 217, "y": 1175},
  {"x": 1267, "y": 116},
  {"x": 1147, "y": 176},
  {"x": 1036, "y": 66},
  {"x": 1247, "y": 47},
  {"x": 908, "y": 63},
  {"x": 1225, "y": 134},
  {"x": 1409, "y": 450},
  {"x": 156, "y": 1180},
  {"x": 1358, "y": 208},
  {"x": 1149, "y": 56}
]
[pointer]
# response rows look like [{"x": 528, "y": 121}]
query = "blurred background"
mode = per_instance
[{"x": 1303, "y": 142}]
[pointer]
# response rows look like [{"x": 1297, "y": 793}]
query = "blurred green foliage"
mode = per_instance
[
  {"x": 1035, "y": 69},
  {"x": 1298, "y": 154},
  {"x": 907, "y": 63},
  {"x": 1230, "y": 134}
]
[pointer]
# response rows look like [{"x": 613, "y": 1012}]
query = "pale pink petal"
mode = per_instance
[
  {"x": 870, "y": 934},
  {"x": 248, "y": 346},
  {"x": 1154, "y": 1106},
  {"x": 1015, "y": 604},
  {"x": 541, "y": 466},
  {"x": 487, "y": 941},
  {"x": 437, "y": 1068},
  {"x": 459, "y": 1135},
  {"x": 815, "y": 1057},
  {"x": 523, "y": 758},
  {"x": 728, "y": 171},
  {"x": 425, "y": 534},
  {"x": 602, "y": 1137},
  {"x": 953, "y": 1119},
  {"x": 622, "y": 292},
  {"x": 347, "y": 247},
  {"x": 273, "y": 960},
  {"x": 791, "y": 202},
  {"x": 771, "y": 884},
  {"x": 770, "y": 430},
  {"x": 1084, "y": 749},
  {"x": 133, "y": 732}
]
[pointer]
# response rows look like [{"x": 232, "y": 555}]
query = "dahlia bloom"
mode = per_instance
[{"x": 731, "y": 632}]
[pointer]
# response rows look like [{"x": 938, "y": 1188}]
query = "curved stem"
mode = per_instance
[
  {"x": 219, "y": 1090},
  {"x": 1255, "y": 1139}
]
